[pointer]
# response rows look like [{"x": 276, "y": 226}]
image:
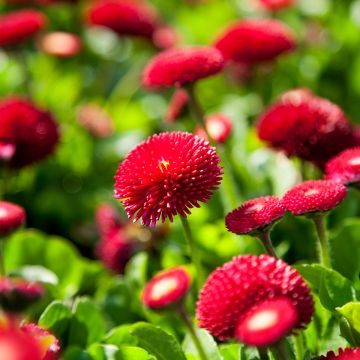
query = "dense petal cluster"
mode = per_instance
[
  {"x": 255, "y": 215},
  {"x": 219, "y": 127},
  {"x": 33, "y": 132},
  {"x": 276, "y": 4},
  {"x": 233, "y": 289},
  {"x": 166, "y": 288},
  {"x": 267, "y": 323},
  {"x": 17, "y": 26},
  {"x": 255, "y": 41},
  {"x": 344, "y": 354},
  {"x": 60, "y": 44},
  {"x": 177, "y": 105},
  {"x": 165, "y": 175},
  {"x": 125, "y": 17},
  {"x": 305, "y": 125},
  {"x": 345, "y": 167},
  {"x": 177, "y": 67},
  {"x": 314, "y": 196},
  {"x": 12, "y": 216},
  {"x": 16, "y": 295}
]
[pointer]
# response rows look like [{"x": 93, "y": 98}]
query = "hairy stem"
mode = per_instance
[
  {"x": 323, "y": 243},
  {"x": 265, "y": 239}
]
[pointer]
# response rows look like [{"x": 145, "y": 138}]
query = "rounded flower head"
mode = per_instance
[
  {"x": 17, "y": 26},
  {"x": 177, "y": 67},
  {"x": 33, "y": 132},
  {"x": 12, "y": 216},
  {"x": 267, "y": 323},
  {"x": 314, "y": 196},
  {"x": 305, "y": 125},
  {"x": 165, "y": 37},
  {"x": 60, "y": 44},
  {"x": 274, "y": 5},
  {"x": 49, "y": 344},
  {"x": 177, "y": 105},
  {"x": 7, "y": 151},
  {"x": 346, "y": 354},
  {"x": 255, "y": 215},
  {"x": 345, "y": 167},
  {"x": 219, "y": 127},
  {"x": 233, "y": 289},
  {"x": 166, "y": 288},
  {"x": 17, "y": 295},
  {"x": 255, "y": 41},
  {"x": 167, "y": 174},
  {"x": 125, "y": 17},
  {"x": 107, "y": 218}
]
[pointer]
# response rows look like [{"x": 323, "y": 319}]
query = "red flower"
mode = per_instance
[
  {"x": 167, "y": 174},
  {"x": 60, "y": 44},
  {"x": 166, "y": 288},
  {"x": 33, "y": 132},
  {"x": 314, "y": 196},
  {"x": 345, "y": 167},
  {"x": 276, "y": 4},
  {"x": 177, "y": 105},
  {"x": 107, "y": 219},
  {"x": 233, "y": 289},
  {"x": 267, "y": 323},
  {"x": 165, "y": 37},
  {"x": 18, "y": 26},
  {"x": 346, "y": 354},
  {"x": 48, "y": 343},
  {"x": 219, "y": 127},
  {"x": 255, "y": 215},
  {"x": 7, "y": 151},
  {"x": 12, "y": 216},
  {"x": 125, "y": 17},
  {"x": 177, "y": 67},
  {"x": 254, "y": 41},
  {"x": 305, "y": 125},
  {"x": 17, "y": 295}
]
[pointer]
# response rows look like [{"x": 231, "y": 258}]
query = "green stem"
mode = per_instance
[
  {"x": 281, "y": 351},
  {"x": 193, "y": 253},
  {"x": 263, "y": 353},
  {"x": 195, "y": 107},
  {"x": 323, "y": 244},
  {"x": 2, "y": 259},
  {"x": 299, "y": 346},
  {"x": 188, "y": 323},
  {"x": 265, "y": 239}
]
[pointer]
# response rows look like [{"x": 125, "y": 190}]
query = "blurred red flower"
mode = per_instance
[
  {"x": 60, "y": 44},
  {"x": 344, "y": 354},
  {"x": 219, "y": 127},
  {"x": 12, "y": 216},
  {"x": 274, "y": 5},
  {"x": 177, "y": 105}
]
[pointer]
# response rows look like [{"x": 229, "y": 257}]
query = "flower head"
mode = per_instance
[
  {"x": 16, "y": 295},
  {"x": 33, "y": 132},
  {"x": 345, "y": 167},
  {"x": 125, "y": 17},
  {"x": 219, "y": 127},
  {"x": 165, "y": 37},
  {"x": 177, "y": 67},
  {"x": 60, "y": 44},
  {"x": 305, "y": 125},
  {"x": 17, "y": 26},
  {"x": 314, "y": 196},
  {"x": 165, "y": 175},
  {"x": 344, "y": 354},
  {"x": 267, "y": 322},
  {"x": 255, "y": 41},
  {"x": 177, "y": 105},
  {"x": 7, "y": 151},
  {"x": 255, "y": 215},
  {"x": 166, "y": 288},
  {"x": 12, "y": 216},
  {"x": 232, "y": 290},
  {"x": 274, "y": 5},
  {"x": 107, "y": 218}
]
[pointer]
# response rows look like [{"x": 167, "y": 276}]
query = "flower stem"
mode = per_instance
[
  {"x": 281, "y": 351},
  {"x": 193, "y": 253},
  {"x": 263, "y": 353},
  {"x": 323, "y": 244},
  {"x": 299, "y": 345},
  {"x": 2, "y": 257},
  {"x": 188, "y": 323},
  {"x": 265, "y": 239},
  {"x": 195, "y": 107}
]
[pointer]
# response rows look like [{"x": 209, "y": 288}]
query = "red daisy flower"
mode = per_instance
[
  {"x": 254, "y": 41},
  {"x": 233, "y": 289},
  {"x": 16, "y": 295},
  {"x": 255, "y": 215},
  {"x": 266, "y": 323},
  {"x": 314, "y": 196},
  {"x": 345, "y": 167},
  {"x": 274, "y": 5},
  {"x": 165, "y": 37},
  {"x": 166, "y": 288},
  {"x": 7, "y": 151},
  {"x": 177, "y": 67},
  {"x": 12, "y": 216},
  {"x": 344, "y": 354},
  {"x": 48, "y": 343},
  {"x": 107, "y": 218},
  {"x": 219, "y": 127},
  {"x": 177, "y": 105},
  {"x": 305, "y": 125},
  {"x": 60, "y": 44},
  {"x": 33, "y": 132},
  {"x": 125, "y": 17},
  {"x": 20, "y": 25},
  {"x": 167, "y": 174}
]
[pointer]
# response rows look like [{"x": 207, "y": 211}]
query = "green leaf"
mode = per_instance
[
  {"x": 37, "y": 274},
  {"x": 132, "y": 353},
  {"x": 136, "y": 270},
  {"x": 121, "y": 336},
  {"x": 230, "y": 351},
  {"x": 76, "y": 353},
  {"x": 157, "y": 342},
  {"x": 351, "y": 312},
  {"x": 103, "y": 352}
]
